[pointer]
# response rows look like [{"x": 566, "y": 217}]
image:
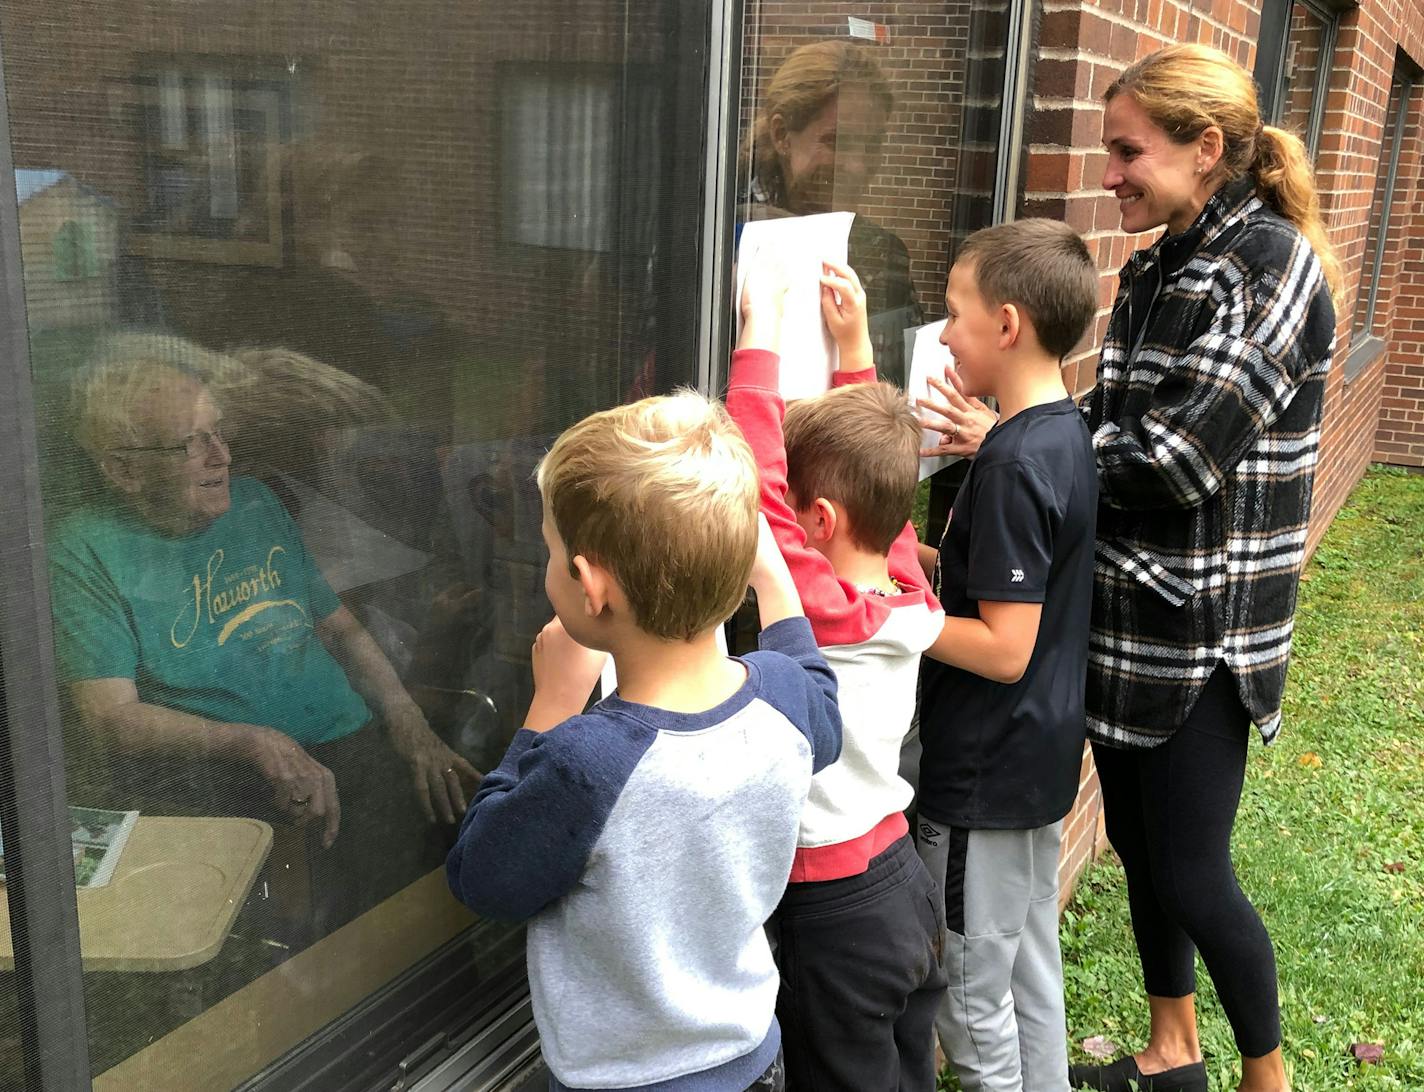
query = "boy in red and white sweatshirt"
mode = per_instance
[{"x": 858, "y": 933}]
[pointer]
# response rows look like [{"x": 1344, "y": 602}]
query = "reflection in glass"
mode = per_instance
[
  {"x": 1367, "y": 297},
  {"x": 898, "y": 125},
  {"x": 893, "y": 116},
  {"x": 308, "y": 296},
  {"x": 1305, "y": 73}
]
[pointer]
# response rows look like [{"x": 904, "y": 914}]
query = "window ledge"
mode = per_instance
[{"x": 1362, "y": 354}]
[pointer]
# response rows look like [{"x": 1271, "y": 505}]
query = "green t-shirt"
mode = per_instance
[{"x": 218, "y": 623}]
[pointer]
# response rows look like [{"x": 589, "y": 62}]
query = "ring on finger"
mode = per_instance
[
  {"x": 299, "y": 801},
  {"x": 955, "y": 434}
]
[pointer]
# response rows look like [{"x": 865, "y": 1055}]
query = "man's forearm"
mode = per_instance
[
  {"x": 139, "y": 729},
  {"x": 369, "y": 672}
]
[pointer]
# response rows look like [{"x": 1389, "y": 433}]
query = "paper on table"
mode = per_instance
[
  {"x": 608, "y": 681},
  {"x": 801, "y": 243},
  {"x": 927, "y": 358}
]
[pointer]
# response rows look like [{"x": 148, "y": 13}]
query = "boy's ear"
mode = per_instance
[
  {"x": 1010, "y": 323},
  {"x": 597, "y": 583},
  {"x": 825, "y": 519}
]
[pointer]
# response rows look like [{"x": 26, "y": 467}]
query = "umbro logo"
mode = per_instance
[{"x": 1016, "y": 576}]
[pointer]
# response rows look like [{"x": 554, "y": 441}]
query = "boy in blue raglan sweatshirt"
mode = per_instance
[{"x": 648, "y": 839}]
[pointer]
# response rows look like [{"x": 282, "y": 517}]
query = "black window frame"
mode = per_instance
[
  {"x": 1364, "y": 345},
  {"x": 436, "y": 1025},
  {"x": 1273, "y": 58}
]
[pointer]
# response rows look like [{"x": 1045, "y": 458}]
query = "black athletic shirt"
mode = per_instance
[{"x": 1008, "y": 755}]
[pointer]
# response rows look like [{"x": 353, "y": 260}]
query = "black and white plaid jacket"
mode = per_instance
[{"x": 1206, "y": 423}]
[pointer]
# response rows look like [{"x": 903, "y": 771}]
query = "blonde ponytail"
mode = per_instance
[{"x": 1286, "y": 182}]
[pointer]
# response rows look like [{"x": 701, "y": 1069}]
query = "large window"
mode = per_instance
[
  {"x": 1368, "y": 297},
  {"x": 306, "y": 291},
  {"x": 1294, "y": 70}
]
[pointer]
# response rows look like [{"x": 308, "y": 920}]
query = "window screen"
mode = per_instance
[{"x": 309, "y": 291}]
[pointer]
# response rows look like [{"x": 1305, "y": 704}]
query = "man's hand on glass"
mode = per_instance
[{"x": 443, "y": 781}]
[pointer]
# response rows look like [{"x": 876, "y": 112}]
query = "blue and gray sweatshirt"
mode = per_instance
[{"x": 647, "y": 849}]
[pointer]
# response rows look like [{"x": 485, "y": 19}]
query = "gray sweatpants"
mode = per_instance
[{"x": 1002, "y": 1024}]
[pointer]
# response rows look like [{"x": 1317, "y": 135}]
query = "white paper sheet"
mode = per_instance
[
  {"x": 801, "y": 243},
  {"x": 927, "y": 358}
]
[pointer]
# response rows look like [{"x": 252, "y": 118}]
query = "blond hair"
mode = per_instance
[
  {"x": 1043, "y": 267},
  {"x": 858, "y": 446},
  {"x": 662, "y": 493},
  {"x": 800, "y": 88},
  {"x": 1186, "y": 88}
]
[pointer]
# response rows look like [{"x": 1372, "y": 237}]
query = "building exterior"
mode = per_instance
[{"x": 465, "y": 226}]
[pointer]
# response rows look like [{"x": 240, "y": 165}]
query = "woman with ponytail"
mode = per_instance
[{"x": 1206, "y": 428}]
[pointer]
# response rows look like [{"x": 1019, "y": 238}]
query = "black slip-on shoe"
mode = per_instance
[{"x": 1119, "y": 1076}]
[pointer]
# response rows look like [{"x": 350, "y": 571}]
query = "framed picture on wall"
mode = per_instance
[{"x": 211, "y": 179}]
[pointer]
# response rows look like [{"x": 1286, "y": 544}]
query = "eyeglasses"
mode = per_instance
[{"x": 194, "y": 446}]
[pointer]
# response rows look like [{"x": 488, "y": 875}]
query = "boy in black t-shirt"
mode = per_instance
[{"x": 1002, "y": 722}]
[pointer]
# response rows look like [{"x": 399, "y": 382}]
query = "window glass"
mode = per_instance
[
  {"x": 1305, "y": 72},
  {"x": 309, "y": 291},
  {"x": 1368, "y": 297},
  {"x": 892, "y": 116},
  {"x": 11, "y": 1041}
]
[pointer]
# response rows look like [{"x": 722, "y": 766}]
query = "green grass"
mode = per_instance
[{"x": 1335, "y": 801}]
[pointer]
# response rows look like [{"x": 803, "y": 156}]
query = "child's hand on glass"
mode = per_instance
[
  {"x": 763, "y": 297},
  {"x": 843, "y": 308}
]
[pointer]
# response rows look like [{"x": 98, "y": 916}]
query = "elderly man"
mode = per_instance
[{"x": 193, "y": 627}]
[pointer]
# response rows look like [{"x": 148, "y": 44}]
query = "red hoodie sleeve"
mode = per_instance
[
  {"x": 845, "y": 379},
  {"x": 838, "y": 613}
]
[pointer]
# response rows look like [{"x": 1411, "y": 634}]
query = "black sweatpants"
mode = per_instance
[
  {"x": 1169, "y": 812},
  {"x": 861, "y": 977}
]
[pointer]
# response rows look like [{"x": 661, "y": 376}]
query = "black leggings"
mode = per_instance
[{"x": 1169, "y": 812}]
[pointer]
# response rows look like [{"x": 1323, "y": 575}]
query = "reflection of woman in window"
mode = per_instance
[{"x": 814, "y": 147}]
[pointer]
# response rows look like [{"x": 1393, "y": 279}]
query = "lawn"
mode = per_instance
[{"x": 1329, "y": 843}]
